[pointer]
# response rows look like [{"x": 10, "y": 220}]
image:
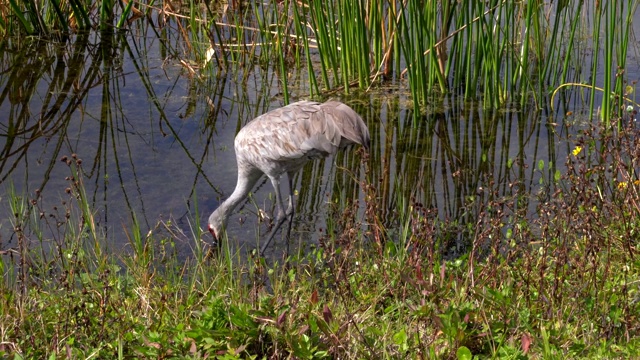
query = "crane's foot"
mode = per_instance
[{"x": 280, "y": 220}]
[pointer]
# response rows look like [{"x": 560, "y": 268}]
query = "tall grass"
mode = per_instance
[{"x": 501, "y": 51}]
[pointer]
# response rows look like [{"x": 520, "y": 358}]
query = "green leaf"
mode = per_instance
[
  {"x": 125, "y": 14},
  {"x": 464, "y": 353},
  {"x": 400, "y": 339}
]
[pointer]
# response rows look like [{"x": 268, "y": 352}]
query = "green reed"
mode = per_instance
[
  {"x": 47, "y": 17},
  {"x": 321, "y": 19},
  {"x": 501, "y": 51},
  {"x": 299, "y": 13},
  {"x": 598, "y": 14},
  {"x": 282, "y": 47},
  {"x": 125, "y": 14},
  {"x": 570, "y": 45},
  {"x": 412, "y": 48},
  {"x": 614, "y": 50}
]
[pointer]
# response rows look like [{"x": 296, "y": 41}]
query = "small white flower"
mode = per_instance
[
  {"x": 208, "y": 55},
  {"x": 629, "y": 108}
]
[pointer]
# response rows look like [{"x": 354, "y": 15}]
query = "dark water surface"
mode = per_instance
[{"x": 153, "y": 138}]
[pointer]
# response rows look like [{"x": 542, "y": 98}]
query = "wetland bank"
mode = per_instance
[{"x": 495, "y": 214}]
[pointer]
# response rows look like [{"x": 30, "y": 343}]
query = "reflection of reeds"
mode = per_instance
[
  {"x": 63, "y": 83},
  {"x": 451, "y": 159},
  {"x": 65, "y": 93}
]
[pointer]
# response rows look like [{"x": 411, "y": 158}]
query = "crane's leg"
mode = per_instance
[
  {"x": 282, "y": 216},
  {"x": 290, "y": 209}
]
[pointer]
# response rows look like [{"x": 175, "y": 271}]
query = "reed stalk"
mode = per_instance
[
  {"x": 299, "y": 15},
  {"x": 281, "y": 41}
]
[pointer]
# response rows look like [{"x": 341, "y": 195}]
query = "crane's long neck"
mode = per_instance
[{"x": 246, "y": 180}]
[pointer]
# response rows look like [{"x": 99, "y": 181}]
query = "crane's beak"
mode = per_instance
[{"x": 213, "y": 233}]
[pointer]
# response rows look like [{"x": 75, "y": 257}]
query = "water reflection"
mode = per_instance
[
  {"x": 131, "y": 116},
  {"x": 153, "y": 138}
]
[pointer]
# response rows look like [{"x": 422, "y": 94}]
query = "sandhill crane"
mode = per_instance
[{"x": 282, "y": 141}]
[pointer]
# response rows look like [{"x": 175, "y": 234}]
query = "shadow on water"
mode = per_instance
[{"x": 155, "y": 141}]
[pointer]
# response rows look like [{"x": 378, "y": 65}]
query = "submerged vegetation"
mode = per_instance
[{"x": 509, "y": 268}]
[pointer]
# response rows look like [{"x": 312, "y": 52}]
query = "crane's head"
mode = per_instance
[{"x": 217, "y": 223}]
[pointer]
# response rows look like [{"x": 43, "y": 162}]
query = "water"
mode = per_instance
[
  {"x": 152, "y": 140},
  {"x": 155, "y": 141}
]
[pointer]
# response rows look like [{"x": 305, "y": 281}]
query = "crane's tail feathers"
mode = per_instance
[{"x": 353, "y": 129}]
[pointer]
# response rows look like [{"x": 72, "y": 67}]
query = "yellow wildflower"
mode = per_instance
[
  {"x": 577, "y": 150},
  {"x": 628, "y": 90}
]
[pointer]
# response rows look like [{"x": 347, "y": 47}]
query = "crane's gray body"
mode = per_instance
[{"x": 282, "y": 141}]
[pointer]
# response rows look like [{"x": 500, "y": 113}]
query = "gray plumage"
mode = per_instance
[{"x": 282, "y": 141}]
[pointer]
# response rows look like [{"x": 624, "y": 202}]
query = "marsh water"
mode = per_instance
[{"x": 156, "y": 140}]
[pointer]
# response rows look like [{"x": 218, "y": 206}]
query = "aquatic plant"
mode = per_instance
[{"x": 502, "y": 52}]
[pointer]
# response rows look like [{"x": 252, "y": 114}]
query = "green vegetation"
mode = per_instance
[
  {"x": 564, "y": 284},
  {"x": 492, "y": 278},
  {"x": 500, "y": 51}
]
